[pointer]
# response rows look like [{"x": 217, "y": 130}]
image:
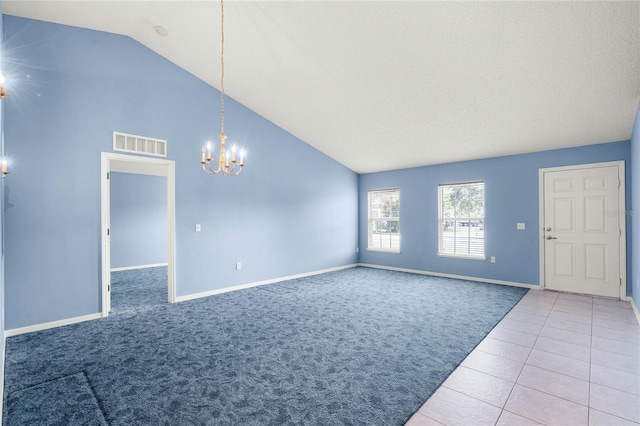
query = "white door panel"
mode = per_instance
[{"x": 582, "y": 231}]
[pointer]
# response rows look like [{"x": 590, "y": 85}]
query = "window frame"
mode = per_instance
[
  {"x": 442, "y": 219},
  {"x": 371, "y": 219}
]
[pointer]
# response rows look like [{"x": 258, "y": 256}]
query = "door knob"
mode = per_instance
[
  {"x": 548, "y": 229},
  {"x": 549, "y": 237}
]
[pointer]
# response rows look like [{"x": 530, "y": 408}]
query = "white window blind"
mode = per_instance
[
  {"x": 384, "y": 220},
  {"x": 461, "y": 220}
]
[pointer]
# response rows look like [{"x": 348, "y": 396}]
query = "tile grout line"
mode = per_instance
[
  {"x": 542, "y": 326},
  {"x": 537, "y": 390},
  {"x": 521, "y": 370},
  {"x": 588, "y": 381},
  {"x": 556, "y": 396},
  {"x": 590, "y": 362}
]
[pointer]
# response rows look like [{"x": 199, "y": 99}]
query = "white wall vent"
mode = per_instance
[{"x": 139, "y": 144}]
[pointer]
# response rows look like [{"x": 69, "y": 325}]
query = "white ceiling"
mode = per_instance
[{"x": 382, "y": 85}]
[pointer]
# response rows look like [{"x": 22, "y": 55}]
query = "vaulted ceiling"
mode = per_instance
[{"x": 382, "y": 85}]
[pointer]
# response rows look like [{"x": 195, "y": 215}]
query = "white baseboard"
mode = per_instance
[
  {"x": 52, "y": 324},
  {"x": 635, "y": 308},
  {"x": 129, "y": 268},
  {"x": 4, "y": 351},
  {"x": 258, "y": 283},
  {"x": 457, "y": 277},
  {"x": 68, "y": 321}
]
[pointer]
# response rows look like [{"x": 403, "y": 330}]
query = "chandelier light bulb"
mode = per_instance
[{"x": 3, "y": 92}]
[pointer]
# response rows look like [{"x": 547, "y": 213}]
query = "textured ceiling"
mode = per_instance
[{"x": 381, "y": 85}]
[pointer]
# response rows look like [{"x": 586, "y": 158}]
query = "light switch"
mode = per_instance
[
  {"x": 198, "y": 227},
  {"x": 520, "y": 226}
]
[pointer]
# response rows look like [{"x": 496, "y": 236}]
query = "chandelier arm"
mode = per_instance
[
  {"x": 208, "y": 169},
  {"x": 234, "y": 169},
  {"x": 230, "y": 168},
  {"x": 236, "y": 173}
]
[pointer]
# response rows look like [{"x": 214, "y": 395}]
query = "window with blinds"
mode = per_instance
[
  {"x": 384, "y": 220},
  {"x": 461, "y": 220}
]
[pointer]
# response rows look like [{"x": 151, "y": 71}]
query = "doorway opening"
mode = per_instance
[
  {"x": 153, "y": 275},
  {"x": 138, "y": 232},
  {"x": 583, "y": 229}
]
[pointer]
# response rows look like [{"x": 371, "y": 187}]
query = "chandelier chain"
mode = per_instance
[
  {"x": 230, "y": 162},
  {"x": 222, "y": 67}
]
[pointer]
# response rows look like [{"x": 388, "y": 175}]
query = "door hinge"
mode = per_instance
[
  {"x": 108, "y": 230},
  {"x": 107, "y": 175},
  {"x": 108, "y": 287},
  {"x": 620, "y": 279}
]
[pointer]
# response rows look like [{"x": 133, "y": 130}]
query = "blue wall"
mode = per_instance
[
  {"x": 635, "y": 210},
  {"x": 138, "y": 220},
  {"x": 511, "y": 196},
  {"x": 2, "y": 204},
  {"x": 292, "y": 210}
]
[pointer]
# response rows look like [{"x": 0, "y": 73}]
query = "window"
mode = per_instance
[
  {"x": 384, "y": 220},
  {"x": 461, "y": 220}
]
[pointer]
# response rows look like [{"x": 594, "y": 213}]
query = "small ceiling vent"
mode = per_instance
[{"x": 139, "y": 144}]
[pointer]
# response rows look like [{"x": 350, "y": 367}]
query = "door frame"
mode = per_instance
[
  {"x": 110, "y": 162},
  {"x": 621, "y": 212}
]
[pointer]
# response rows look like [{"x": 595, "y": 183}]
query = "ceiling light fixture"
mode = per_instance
[
  {"x": 161, "y": 31},
  {"x": 3, "y": 92},
  {"x": 228, "y": 164}
]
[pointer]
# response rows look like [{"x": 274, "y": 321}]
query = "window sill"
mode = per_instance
[
  {"x": 460, "y": 256},
  {"x": 383, "y": 250}
]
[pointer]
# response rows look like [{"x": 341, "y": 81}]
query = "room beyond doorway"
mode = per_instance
[
  {"x": 144, "y": 166},
  {"x": 137, "y": 290},
  {"x": 138, "y": 241}
]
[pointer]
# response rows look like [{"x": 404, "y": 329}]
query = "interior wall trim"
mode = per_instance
[
  {"x": 130, "y": 268},
  {"x": 457, "y": 277},
  {"x": 258, "y": 283},
  {"x": 110, "y": 162},
  {"x": 621, "y": 208},
  {"x": 48, "y": 325},
  {"x": 635, "y": 308},
  {"x": 4, "y": 351},
  {"x": 68, "y": 321}
]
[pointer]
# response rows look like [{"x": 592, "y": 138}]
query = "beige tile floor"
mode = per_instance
[{"x": 555, "y": 359}]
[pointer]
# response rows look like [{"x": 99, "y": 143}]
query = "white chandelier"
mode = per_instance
[{"x": 228, "y": 162}]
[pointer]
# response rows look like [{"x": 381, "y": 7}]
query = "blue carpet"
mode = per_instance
[
  {"x": 138, "y": 290},
  {"x": 354, "y": 347},
  {"x": 64, "y": 401}
]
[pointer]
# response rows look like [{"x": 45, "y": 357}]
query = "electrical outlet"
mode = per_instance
[
  {"x": 238, "y": 266},
  {"x": 493, "y": 259},
  {"x": 198, "y": 227},
  {"x": 520, "y": 226}
]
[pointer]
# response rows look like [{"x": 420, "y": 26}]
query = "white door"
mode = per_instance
[{"x": 582, "y": 230}]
